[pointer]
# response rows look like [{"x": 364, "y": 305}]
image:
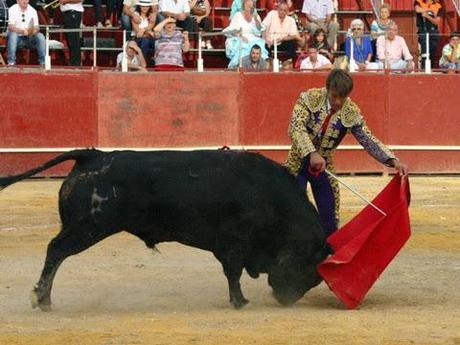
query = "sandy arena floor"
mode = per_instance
[{"x": 119, "y": 292}]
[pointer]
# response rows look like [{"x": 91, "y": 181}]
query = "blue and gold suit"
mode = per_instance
[{"x": 305, "y": 131}]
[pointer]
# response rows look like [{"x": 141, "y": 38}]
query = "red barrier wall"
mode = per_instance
[
  {"x": 168, "y": 110},
  {"x": 108, "y": 109}
]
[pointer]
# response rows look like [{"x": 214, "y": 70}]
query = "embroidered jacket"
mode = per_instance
[{"x": 305, "y": 130}]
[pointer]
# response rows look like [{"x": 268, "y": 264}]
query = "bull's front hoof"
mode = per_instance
[
  {"x": 35, "y": 301},
  {"x": 238, "y": 304}
]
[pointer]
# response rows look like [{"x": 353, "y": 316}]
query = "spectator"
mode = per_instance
[
  {"x": 130, "y": 15},
  {"x": 112, "y": 10},
  {"x": 180, "y": 11},
  {"x": 315, "y": 61},
  {"x": 97, "y": 4},
  {"x": 254, "y": 60},
  {"x": 136, "y": 61},
  {"x": 380, "y": 26},
  {"x": 143, "y": 31},
  {"x": 278, "y": 24},
  {"x": 319, "y": 15},
  {"x": 200, "y": 13},
  {"x": 451, "y": 53},
  {"x": 319, "y": 41},
  {"x": 427, "y": 20},
  {"x": 392, "y": 50},
  {"x": 72, "y": 11},
  {"x": 240, "y": 42},
  {"x": 169, "y": 46},
  {"x": 24, "y": 31},
  {"x": 362, "y": 50}
]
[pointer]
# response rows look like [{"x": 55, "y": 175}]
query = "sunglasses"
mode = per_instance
[
  {"x": 356, "y": 29},
  {"x": 23, "y": 17}
]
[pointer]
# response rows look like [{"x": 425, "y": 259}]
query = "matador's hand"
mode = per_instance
[
  {"x": 317, "y": 163},
  {"x": 402, "y": 168}
]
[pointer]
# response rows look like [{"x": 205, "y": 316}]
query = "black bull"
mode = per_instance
[{"x": 244, "y": 208}]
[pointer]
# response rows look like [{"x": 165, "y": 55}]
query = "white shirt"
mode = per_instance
[
  {"x": 274, "y": 26},
  {"x": 248, "y": 29},
  {"x": 16, "y": 18},
  {"x": 75, "y": 7},
  {"x": 320, "y": 62},
  {"x": 318, "y": 9},
  {"x": 135, "y": 61},
  {"x": 175, "y": 7}
]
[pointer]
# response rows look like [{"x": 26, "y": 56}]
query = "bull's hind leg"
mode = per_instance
[{"x": 68, "y": 242}]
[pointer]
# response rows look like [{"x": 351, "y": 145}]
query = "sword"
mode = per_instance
[{"x": 355, "y": 192}]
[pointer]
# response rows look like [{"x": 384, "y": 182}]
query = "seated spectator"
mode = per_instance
[
  {"x": 244, "y": 31},
  {"x": 358, "y": 47},
  {"x": 130, "y": 15},
  {"x": 450, "y": 58},
  {"x": 143, "y": 31},
  {"x": 319, "y": 15},
  {"x": 392, "y": 51},
  {"x": 24, "y": 31},
  {"x": 169, "y": 46},
  {"x": 380, "y": 26},
  {"x": 201, "y": 9},
  {"x": 136, "y": 61},
  {"x": 319, "y": 41},
  {"x": 315, "y": 61},
  {"x": 178, "y": 10},
  {"x": 282, "y": 27},
  {"x": 254, "y": 60}
]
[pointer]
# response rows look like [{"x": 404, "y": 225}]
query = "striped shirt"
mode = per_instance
[{"x": 168, "y": 49}]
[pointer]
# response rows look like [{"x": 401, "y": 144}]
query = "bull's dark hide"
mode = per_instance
[{"x": 244, "y": 208}]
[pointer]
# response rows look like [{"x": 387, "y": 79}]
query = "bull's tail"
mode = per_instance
[{"x": 76, "y": 155}]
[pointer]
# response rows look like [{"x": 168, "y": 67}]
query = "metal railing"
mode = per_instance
[{"x": 49, "y": 31}]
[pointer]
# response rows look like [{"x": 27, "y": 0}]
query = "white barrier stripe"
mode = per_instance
[{"x": 233, "y": 147}]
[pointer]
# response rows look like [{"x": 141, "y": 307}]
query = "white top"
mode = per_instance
[
  {"x": 318, "y": 9},
  {"x": 174, "y": 6},
  {"x": 144, "y": 22},
  {"x": 320, "y": 62},
  {"x": 274, "y": 26},
  {"x": 16, "y": 18},
  {"x": 135, "y": 61},
  {"x": 75, "y": 7},
  {"x": 248, "y": 29}
]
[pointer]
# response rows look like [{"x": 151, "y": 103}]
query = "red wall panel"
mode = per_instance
[
  {"x": 267, "y": 100},
  {"x": 423, "y": 110},
  {"x": 168, "y": 109},
  {"x": 48, "y": 109}
]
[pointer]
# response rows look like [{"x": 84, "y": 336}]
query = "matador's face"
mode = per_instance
[{"x": 335, "y": 100}]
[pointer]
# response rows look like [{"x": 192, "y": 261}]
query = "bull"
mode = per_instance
[{"x": 246, "y": 209}]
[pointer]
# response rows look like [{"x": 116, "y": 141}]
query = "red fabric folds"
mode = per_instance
[{"x": 365, "y": 246}]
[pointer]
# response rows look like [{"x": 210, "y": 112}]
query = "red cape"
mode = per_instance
[{"x": 365, "y": 246}]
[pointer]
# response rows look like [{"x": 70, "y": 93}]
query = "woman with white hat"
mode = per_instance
[{"x": 143, "y": 31}]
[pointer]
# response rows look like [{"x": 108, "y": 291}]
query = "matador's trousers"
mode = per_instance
[{"x": 326, "y": 194}]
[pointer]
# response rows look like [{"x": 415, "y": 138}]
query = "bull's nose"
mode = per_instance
[{"x": 286, "y": 300}]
